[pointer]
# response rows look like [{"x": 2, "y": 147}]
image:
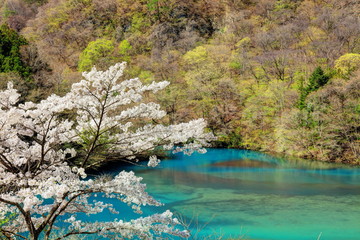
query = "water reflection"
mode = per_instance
[{"x": 245, "y": 163}]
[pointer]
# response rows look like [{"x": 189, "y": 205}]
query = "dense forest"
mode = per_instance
[{"x": 281, "y": 76}]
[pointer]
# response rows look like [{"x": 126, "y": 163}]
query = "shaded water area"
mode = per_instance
[{"x": 228, "y": 192}]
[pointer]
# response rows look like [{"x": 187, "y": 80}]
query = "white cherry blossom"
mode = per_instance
[{"x": 46, "y": 147}]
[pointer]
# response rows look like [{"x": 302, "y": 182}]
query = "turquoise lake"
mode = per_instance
[{"x": 232, "y": 193}]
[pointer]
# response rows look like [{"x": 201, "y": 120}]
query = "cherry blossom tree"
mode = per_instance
[{"x": 46, "y": 147}]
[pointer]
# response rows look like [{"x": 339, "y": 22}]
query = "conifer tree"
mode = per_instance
[
  {"x": 317, "y": 79},
  {"x": 10, "y": 58}
]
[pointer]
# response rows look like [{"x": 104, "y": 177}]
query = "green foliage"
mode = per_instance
[
  {"x": 10, "y": 217},
  {"x": 152, "y": 4},
  {"x": 243, "y": 42},
  {"x": 235, "y": 65},
  {"x": 10, "y": 57},
  {"x": 303, "y": 95},
  {"x": 284, "y": 4},
  {"x": 124, "y": 49},
  {"x": 317, "y": 79},
  {"x": 56, "y": 17},
  {"x": 146, "y": 76},
  {"x": 328, "y": 127},
  {"x": 139, "y": 23},
  {"x": 87, "y": 139},
  {"x": 196, "y": 56},
  {"x": 357, "y": 109},
  {"x": 39, "y": 2},
  {"x": 7, "y": 12},
  {"x": 158, "y": 8},
  {"x": 347, "y": 64},
  {"x": 231, "y": 140},
  {"x": 92, "y": 54}
]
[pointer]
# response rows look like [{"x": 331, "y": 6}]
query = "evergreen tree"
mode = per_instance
[
  {"x": 317, "y": 79},
  {"x": 10, "y": 57}
]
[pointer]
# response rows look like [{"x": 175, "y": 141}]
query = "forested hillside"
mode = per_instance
[{"x": 270, "y": 75}]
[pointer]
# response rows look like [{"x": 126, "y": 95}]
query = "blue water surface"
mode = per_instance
[{"x": 238, "y": 193}]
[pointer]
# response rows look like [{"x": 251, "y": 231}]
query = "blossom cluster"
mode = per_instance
[{"x": 40, "y": 179}]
